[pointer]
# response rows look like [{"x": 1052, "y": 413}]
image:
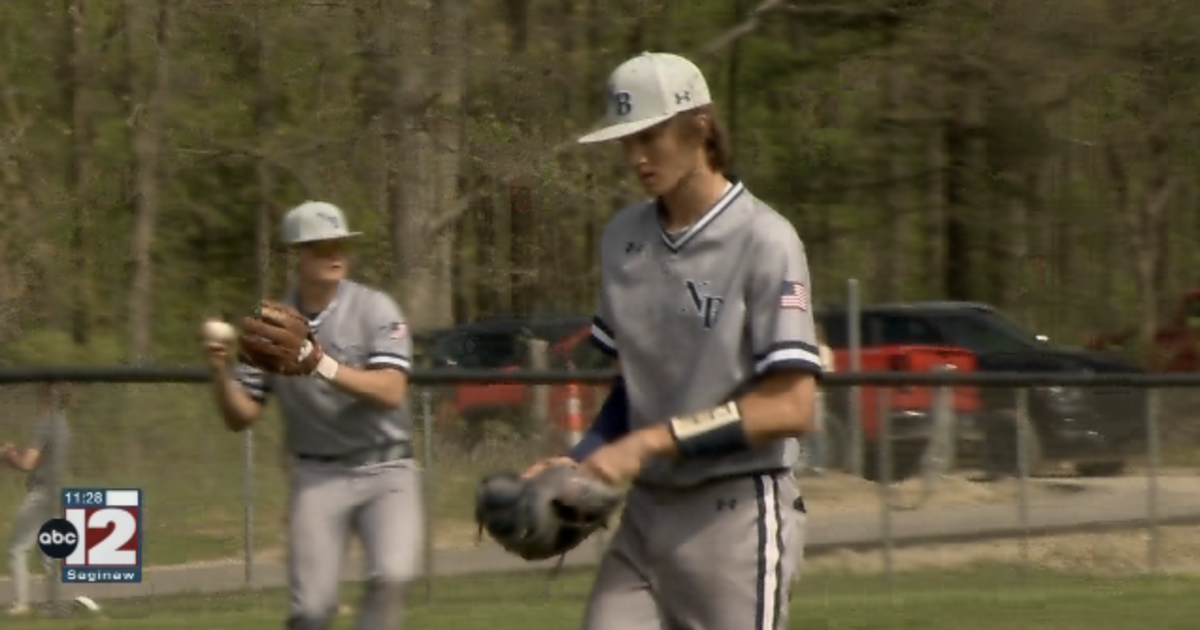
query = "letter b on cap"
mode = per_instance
[{"x": 58, "y": 538}]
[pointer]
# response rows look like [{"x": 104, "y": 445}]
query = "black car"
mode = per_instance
[
  {"x": 1094, "y": 429},
  {"x": 495, "y": 342}
]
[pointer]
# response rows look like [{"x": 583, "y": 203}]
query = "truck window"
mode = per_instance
[
  {"x": 903, "y": 329},
  {"x": 834, "y": 326},
  {"x": 983, "y": 334}
]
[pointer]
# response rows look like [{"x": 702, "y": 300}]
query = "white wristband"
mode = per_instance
[{"x": 327, "y": 368}]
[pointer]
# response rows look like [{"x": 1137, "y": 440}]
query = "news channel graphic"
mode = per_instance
[{"x": 98, "y": 538}]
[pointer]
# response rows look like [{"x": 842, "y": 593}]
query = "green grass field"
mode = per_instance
[
  {"x": 168, "y": 441},
  {"x": 981, "y": 598}
]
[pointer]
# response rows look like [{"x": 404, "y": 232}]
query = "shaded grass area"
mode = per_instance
[
  {"x": 168, "y": 441},
  {"x": 981, "y": 597}
]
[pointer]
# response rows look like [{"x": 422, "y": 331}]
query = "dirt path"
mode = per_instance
[{"x": 1124, "y": 553}]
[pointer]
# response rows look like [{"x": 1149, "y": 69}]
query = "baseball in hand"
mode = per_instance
[{"x": 218, "y": 332}]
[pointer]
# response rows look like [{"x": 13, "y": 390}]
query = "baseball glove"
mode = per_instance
[
  {"x": 544, "y": 516},
  {"x": 277, "y": 339}
]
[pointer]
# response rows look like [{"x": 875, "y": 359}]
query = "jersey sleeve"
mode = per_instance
[
  {"x": 252, "y": 380},
  {"x": 779, "y": 307},
  {"x": 603, "y": 336},
  {"x": 390, "y": 341}
]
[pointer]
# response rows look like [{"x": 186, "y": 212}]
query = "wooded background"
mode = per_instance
[{"x": 1036, "y": 155}]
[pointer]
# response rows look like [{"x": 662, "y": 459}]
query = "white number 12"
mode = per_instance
[{"x": 107, "y": 552}]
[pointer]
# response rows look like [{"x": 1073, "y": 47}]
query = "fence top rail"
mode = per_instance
[{"x": 163, "y": 375}]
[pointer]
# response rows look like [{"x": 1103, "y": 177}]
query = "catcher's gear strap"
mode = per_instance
[
  {"x": 717, "y": 431},
  {"x": 611, "y": 423}
]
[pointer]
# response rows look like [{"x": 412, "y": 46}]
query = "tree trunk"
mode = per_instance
[
  {"x": 524, "y": 234},
  {"x": 891, "y": 261},
  {"x": 958, "y": 268},
  {"x": 17, "y": 266},
  {"x": 1144, "y": 222},
  {"x": 264, "y": 122},
  {"x": 424, "y": 127},
  {"x": 79, "y": 169},
  {"x": 150, "y": 74},
  {"x": 450, "y": 58}
]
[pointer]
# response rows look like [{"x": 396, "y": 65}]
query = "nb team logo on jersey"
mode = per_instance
[
  {"x": 99, "y": 538},
  {"x": 707, "y": 307}
]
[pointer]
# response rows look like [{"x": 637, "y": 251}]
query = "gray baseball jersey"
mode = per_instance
[
  {"x": 51, "y": 437},
  {"x": 697, "y": 316},
  {"x": 333, "y": 493},
  {"x": 362, "y": 328}
]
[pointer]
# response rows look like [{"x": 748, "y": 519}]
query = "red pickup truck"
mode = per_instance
[{"x": 910, "y": 408}]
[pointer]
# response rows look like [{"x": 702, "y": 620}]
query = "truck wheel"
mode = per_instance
[
  {"x": 1100, "y": 469},
  {"x": 906, "y": 460}
]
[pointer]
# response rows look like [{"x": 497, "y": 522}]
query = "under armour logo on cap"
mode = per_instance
[{"x": 647, "y": 90}]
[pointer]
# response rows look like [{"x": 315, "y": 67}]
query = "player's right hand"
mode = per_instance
[{"x": 541, "y": 465}]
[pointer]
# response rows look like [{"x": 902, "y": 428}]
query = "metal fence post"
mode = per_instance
[
  {"x": 885, "y": 479},
  {"x": 427, "y": 429},
  {"x": 941, "y": 451},
  {"x": 248, "y": 504},
  {"x": 854, "y": 336},
  {"x": 1023, "y": 474},
  {"x": 1152, "y": 472}
]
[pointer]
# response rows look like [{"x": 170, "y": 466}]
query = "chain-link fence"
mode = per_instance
[{"x": 1092, "y": 479}]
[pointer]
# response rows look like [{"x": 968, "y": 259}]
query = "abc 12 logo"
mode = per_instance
[{"x": 94, "y": 537}]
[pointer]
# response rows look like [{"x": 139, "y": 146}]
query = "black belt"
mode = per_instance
[{"x": 364, "y": 457}]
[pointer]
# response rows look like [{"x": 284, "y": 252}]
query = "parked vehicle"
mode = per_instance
[
  {"x": 910, "y": 409},
  {"x": 1093, "y": 429},
  {"x": 503, "y": 344}
]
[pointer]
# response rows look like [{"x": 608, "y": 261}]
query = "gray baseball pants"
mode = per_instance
[
  {"x": 718, "y": 557},
  {"x": 37, "y": 508},
  {"x": 379, "y": 503}
]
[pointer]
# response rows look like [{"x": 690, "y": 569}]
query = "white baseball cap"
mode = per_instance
[
  {"x": 315, "y": 221},
  {"x": 647, "y": 90}
]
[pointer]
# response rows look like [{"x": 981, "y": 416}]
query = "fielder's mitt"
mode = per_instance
[
  {"x": 547, "y": 515},
  {"x": 276, "y": 339}
]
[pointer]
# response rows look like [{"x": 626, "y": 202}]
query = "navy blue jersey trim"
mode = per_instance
[
  {"x": 676, "y": 243},
  {"x": 787, "y": 345},
  {"x": 760, "y": 582}
]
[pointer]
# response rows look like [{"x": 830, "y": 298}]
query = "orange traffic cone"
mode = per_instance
[{"x": 573, "y": 422}]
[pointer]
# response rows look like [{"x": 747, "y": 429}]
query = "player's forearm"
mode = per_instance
[
  {"x": 384, "y": 387},
  {"x": 238, "y": 409},
  {"x": 781, "y": 407}
]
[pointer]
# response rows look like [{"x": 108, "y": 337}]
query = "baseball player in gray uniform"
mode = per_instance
[
  {"x": 347, "y": 428},
  {"x": 45, "y": 460},
  {"x": 704, "y": 303}
]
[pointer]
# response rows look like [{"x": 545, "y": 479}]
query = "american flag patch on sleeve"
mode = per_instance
[
  {"x": 793, "y": 295},
  {"x": 397, "y": 330}
]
